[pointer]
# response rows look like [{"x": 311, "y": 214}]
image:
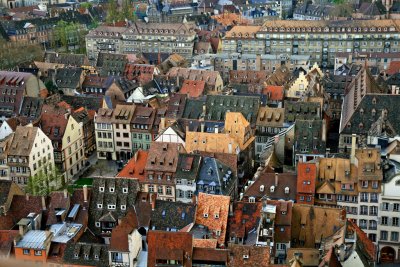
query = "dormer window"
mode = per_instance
[
  {"x": 205, "y": 215},
  {"x": 97, "y": 224},
  {"x": 76, "y": 255},
  {"x": 218, "y": 232},
  {"x": 101, "y": 189},
  {"x": 99, "y": 206},
  {"x": 125, "y": 190},
  {"x": 96, "y": 257},
  {"x": 272, "y": 189},
  {"x": 112, "y": 189},
  {"x": 123, "y": 207},
  {"x": 86, "y": 256},
  {"x": 286, "y": 190},
  {"x": 252, "y": 199},
  {"x": 111, "y": 207},
  {"x": 216, "y": 216}
]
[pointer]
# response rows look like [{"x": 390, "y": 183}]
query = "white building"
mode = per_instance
[
  {"x": 104, "y": 134},
  {"x": 389, "y": 216},
  {"x": 31, "y": 152}
]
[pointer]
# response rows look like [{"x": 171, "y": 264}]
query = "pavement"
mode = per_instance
[{"x": 98, "y": 167}]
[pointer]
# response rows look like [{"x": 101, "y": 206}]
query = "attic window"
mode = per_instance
[
  {"x": 252, "y": 199},
  {"x": 373, "y": 112},
  {"x": 96, "y": 257},
  {"x": 218, "y": 232},
  {"x": 86, "y": 256},
  {"x": 286, "y": 190},
  {"x": 76, "y": 255},
  {"x": 374, "y": 101},
  {"x": 112, "y": 189},
  {"x": 123, "y": 207},
  {"x": 205, "y": 215},
  {"x": 125, "y": 190},
  {"x": 97, "y": 224},
  {"x": 99, "y": 206},
  {"x": 101, "y": 189},
  {"x": 216, "y": 216}
]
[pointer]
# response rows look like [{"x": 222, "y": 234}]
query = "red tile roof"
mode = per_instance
[
  {"x": 306, "y": 177},
  {"x": 193, "y": 89},
  {"x": 274, "y": 92},
  {"x": 365, "y": 244},
  {"x": 6, "y": 241},
  {"x": 135, "y": 167},
  {"x": 119, "y": 236},
  {"x": 245, "y": 218},
  {"x": 394, "y": 67},
  {"x": 283, "y": 220},
  {"x": 169, "y": 246},
  {"x": 212, "y": 205}
]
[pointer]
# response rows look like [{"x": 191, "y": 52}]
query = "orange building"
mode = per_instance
[{"x": 306, "y": 178}]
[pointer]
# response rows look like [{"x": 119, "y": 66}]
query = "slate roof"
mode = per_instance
[
  {"x": 76, "y": 60},
  {"x": 116, "y": 198},
  {"x": 94, "y": 81},
  {"x": 172, "y": 216},
  {"x": 193, "y": 109},
  {"x": 301, "y": 111},
  {"x": 218, "y": 105},
  {"x": 188, "y": 166},
  {"x": 88, "y": 102},
  {"x": 309, "y": 9},
  {"x": 31, "y": 107},
  {"x": 5, "y": 187},
  {"x": 111, "y": 64},
  {"x": 309, "y": 137},
  {"x": 58, "y": 201},
  {"x": 215, "y": 178},
  {"x": 97, "y": 254},
  {"x": 176, "y": 106},
  {"x": 68, "y": 78},
  {"x": 376, "y": 8},
  {"x": 370, "y": 117}
]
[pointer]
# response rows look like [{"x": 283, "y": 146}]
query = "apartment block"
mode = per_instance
[
  {"x": 104, "y": 134},
  {"x": 121, "y": 120}
]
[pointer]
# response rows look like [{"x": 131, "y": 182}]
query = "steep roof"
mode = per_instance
[
  {"x": 171, "y": 216},
  {"x": 193, "y": 89},
  {"x": 119, "y": 235},
  {"x": 135, "y": 166},
  {"x": 24, "y": 137}
]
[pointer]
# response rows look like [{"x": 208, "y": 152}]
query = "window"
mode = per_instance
[
  {"x": 123, "y": 207},
  {"x": 395, "y": 221},
  {"x": 384, "y": 220},
  {"x": 374, "y": 184},
  {"x": 384, "y": 235},
  {"x": 99, "y": 206},
  {"x": 205, "y": 215},
  {"x": 169, "y": 190},
  {"x": 112, "y": 189},
  {"x": 189, "y": 194},
  {"x": 26, "y": 251},
  {"x": 364, "y": 210},
  {"x": 111, "y": 207},
  {"x": 394, "y": 236},
  {"x": 373, "y": 211},
  {"x": 396, "y": 207},
  {"x": 151, "y": 188},
  {"x": 385, "y": 206},
  {"x": 38, "y": 253},
  {"x": 301, "y": 198},
  {"x": 101, "y": 189},
  {"x": 125, "y": 190},
  {"x": 160, "y": 189},
  {"x": 364, "y": 197},
  {"x": 364, "y": 184}
]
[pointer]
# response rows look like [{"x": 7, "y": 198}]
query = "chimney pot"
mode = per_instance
[
  {"x": 44, "y": 203},
  {"x": 85, "y": 193},
  {"x": 27, "y": 196},
  {"x": 65, "y": 193},
  {"x": 276, "y": 179}
]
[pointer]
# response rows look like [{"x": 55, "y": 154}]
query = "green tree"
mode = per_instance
[
  {"x": 13, "y": 54},
  {"x": 112, "y": 11},
  {"x": 51, "y": 87},
  {"x": 45, "y": 181}
]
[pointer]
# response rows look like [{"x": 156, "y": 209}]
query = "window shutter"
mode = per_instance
[
  {"x": 391, "y": 207},
  {"x": 390, "y": 221}
]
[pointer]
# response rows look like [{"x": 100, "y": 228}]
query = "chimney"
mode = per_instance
[
  {"x": 85, "y": 193},
  {"x": 230, "y": 148},
  {"x": 162, "y": 123},
  {"x": 153, "y": 202},
  {"x": 216, "y": 129},
  {"x": 186, "y": 128},
  {"x": 65, "y": 193},
  {"x": 44, "y": 203},
  {"x": 135, "y": 157},
  {"x": 276, "y": 179},
  {"x": 66, "y": 115},
  {"x": 202, "y": 127},
  {"x": 204, "y": 109},
  {"x": 323, "y": 137},
  {"x": 21, "y": 230},
  {"x": 353, "y": 148},
  {"x": 27, "y": 196}
]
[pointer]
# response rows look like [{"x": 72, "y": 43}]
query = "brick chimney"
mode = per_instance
[
  {"x": 44, "y": 203},
  {"x": 85, "y": 193}
]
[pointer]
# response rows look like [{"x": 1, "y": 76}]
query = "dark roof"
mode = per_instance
[
  {"x": 111, "y": 64},
  {"x": 96, "y": 254},
  {"x": 309, "y": 9},
  {"x": 5, "y": 187},
  {"x": 218, "y": 105},
  {"x": 369, "y": 116},
  {"x": 376, "y": 8},
  {"x": 76, "y": 60},
  {"x": 308, "y": 136},
  {"x": 215, "y": 178},
  {"x": 193, "y": 109},
  {"x": 57, "y": 202},
  {"x": 88, "y": 102},
  {"x": 114, "y": 197},
  {"x": 301, "y": 111},
  {"x": 188, "y": 166},
  {"x": 68, "y": 78},
  {"x": 31, "y": 107},
  {"x": 172, "y": 216},
  {"x": 244, "y": 222},
  {"x": 246, "y": 255}
]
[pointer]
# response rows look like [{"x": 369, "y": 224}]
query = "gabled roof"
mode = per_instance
[
  {"x": 247, "y": 255},
  {"x": 119, "y": 236},
  {"x": 274, "y": 92},
  {"x": 24, "y": 137},
  {"x": 193, "y": 89},
  {"x": 245, "y": 219},
  {"x": 325, "y": 188},
  {"x": 135, "y": 166}
]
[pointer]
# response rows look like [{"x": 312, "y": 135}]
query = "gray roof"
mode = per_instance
[
  {"x": 215, "y": 177},
  {"x": 117, "y": 198},
  {"x": 68, "y": 78},
  {"x": 308, "y": 137},
  {"x": 188, "y": 166},
  {"x": 172, "y": 216},
  {"x": 22, "y": 142},
  {"x": 34, "y": 239},
  {"x": 96, "y": 254},
  {"x": 301, "y": 111}
]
